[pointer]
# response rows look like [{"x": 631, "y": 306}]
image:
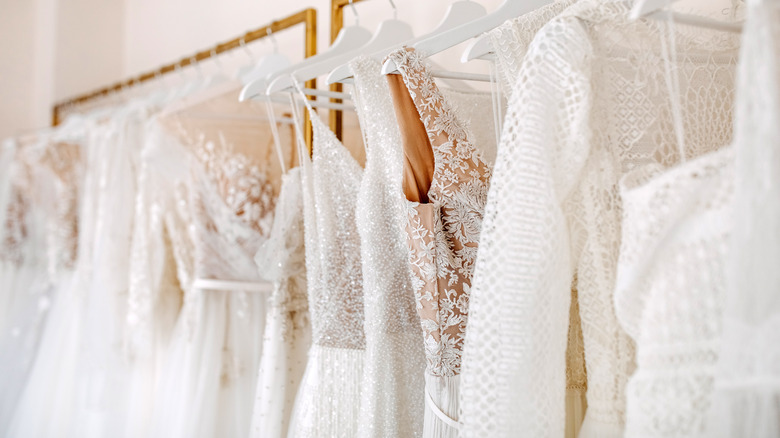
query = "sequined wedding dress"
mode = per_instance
[
  {"x": 328, "y": 400},
  {"x": 287, "y": 336},
  {"x": 392, "y": 388},
  {"x": 592, "y": 102}
]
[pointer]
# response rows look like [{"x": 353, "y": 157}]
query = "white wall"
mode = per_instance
[
  {"x": 187, "y": 26},
  {"x": 54, "y": 49}
]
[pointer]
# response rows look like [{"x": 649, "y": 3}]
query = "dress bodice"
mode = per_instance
[{"x": 331, "y": 181}]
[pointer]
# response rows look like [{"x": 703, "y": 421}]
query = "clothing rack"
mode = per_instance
[
  {"x": 335, "y": 117},
  {"x": 308, "y": 17}
]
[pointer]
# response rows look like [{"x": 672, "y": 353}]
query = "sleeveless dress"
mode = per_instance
[
  {"x": 393, "y": 396},
  {"x": 443, "y": 239},
  {"x": 591, "y": 103},
  {"x": 328, "y": 400},
  {"x": 287, "y": 336}
]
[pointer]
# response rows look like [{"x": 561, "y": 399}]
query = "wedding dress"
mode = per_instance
[
  {"x": 510, "y": 43},
  {"x": 287, "y": 336},
  {"x": 670, "y": 290},
  {"x": 747, "y": 393},
  {"x": 328, "y": 400},
  {"x": 592, "y": 102},
  {"x": 220, "y": 212},
  {"x": 392, "y": 387},
  {"x": 443, "y": 238},
  {"x": 24, "y": 289},
  {"x": 47, "y": 337}
]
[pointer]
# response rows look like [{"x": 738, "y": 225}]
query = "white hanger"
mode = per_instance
[
  {"x": 478, "y": 48},
  {"x": 390, "y": 33},
  {"x": 348, "y": 39},
  {"x": 654, "y": 9},
  {"x": 452, "y": 37},
  {"x": 458, "y": 13},
  {"x": 255, "y": 82},
  {"x": 246, "y": 68}
]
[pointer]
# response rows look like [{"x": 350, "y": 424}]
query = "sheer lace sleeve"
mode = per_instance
[{"x": 522, "y": 285}]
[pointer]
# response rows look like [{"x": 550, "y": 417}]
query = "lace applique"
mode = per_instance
[
  {"x": 244, "y": 188},
  {"x": 444, "y": 235}
]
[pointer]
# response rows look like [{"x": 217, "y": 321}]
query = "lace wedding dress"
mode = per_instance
[
  {"x": 223, "y": 213},
  {"x": 747, "y": 378},
  {"x": 510, "y": 43},
  {"x": 51, "y": 309},
  {"x": 592, "y": 102},
  {"x": 392, "y": 388},
  {"x": 328, "y": 400},
  {"x": 670, "y": 290},
  {"x": 443, "y": 238},
  {"x": 287, "y": 336}
]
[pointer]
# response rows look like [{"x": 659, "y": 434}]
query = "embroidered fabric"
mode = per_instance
[
  {"x": 592, "y": 102},
  {"x": 287, "y": 338},
  {"x": 747, "y": 379},
  {"x": 392, "y": 388},
  {"x": 328, "y": 402},
  {"x": 670, "y": 288},
  {"x": 225, "y": 203},
  {"x": 443, "y": 238}
]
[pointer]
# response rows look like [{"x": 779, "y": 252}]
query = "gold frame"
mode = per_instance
[{"x": 308, "y": 17}]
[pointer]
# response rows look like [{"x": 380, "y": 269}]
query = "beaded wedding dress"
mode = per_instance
[
  {"x": 443, "y": 238},
  {"x": 287, "y": 336},
  {"x": 328, "y": 400},
  {"x": 592, "y": 102},
  {"x": 392, "y": 388}
]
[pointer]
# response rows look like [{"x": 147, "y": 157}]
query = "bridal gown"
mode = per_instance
[
  {"x": 392, "y": 404},
  {"x": 49, "y": 336},
  {"x": 287, "y": 336},
  {"x": 747, "y": 394},
  {"x": 209, "y": 209},
  {"x": 510, "y": 43},
  {"x": 592, "y": 102},
  {"x": 328, "y": 400},
  {"x": 443, "y": 234}
]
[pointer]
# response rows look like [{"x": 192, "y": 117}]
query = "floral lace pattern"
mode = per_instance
[{"x": 444, "y": 234}]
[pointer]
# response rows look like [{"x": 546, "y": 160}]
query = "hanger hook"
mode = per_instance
[
  {"x": 395, "y": 9},
  {"x": 270, "y": 33},
  {"x": 215, "y": 57},
  {"x": 242, "y": 43},
  {"x": 354, "y": 12},
  {"x": 194, "y": 61}
]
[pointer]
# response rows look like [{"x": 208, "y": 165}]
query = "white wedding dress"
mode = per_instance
[
  {"x": 46, "y": 336},
  {"x": 287, "y": 336},
  {"x": 328, "y": 400},
  {"x": 393, "y": 397},
  {"x": 442, "y": 236},
  {"x": 592, "y": 102},
  {"x": 216, "y": 211},
  {"x": 747, "y": 378}
]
